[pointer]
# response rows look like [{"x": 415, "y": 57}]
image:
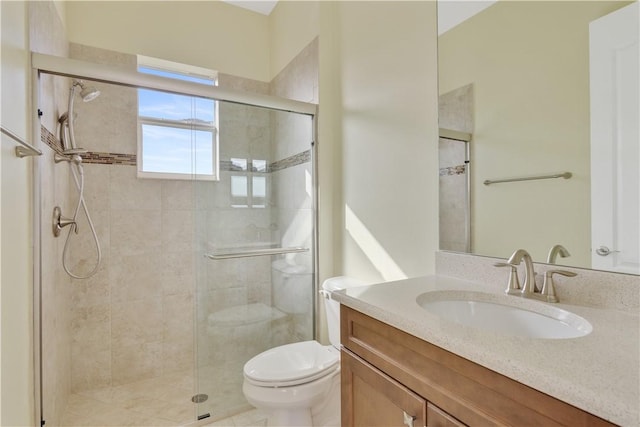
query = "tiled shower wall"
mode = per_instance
[
  {"x": 294, "y": 203},
  {"x": 455, "y": 112},
  {"x": 47, "y": 35},
  {"x": 135, "y": 319}
]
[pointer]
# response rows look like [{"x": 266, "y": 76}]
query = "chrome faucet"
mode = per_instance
[
  {"x": 529, "y": 289},
  {"x": 529, "y": 284},
  {"x": 555, "y": 251}
]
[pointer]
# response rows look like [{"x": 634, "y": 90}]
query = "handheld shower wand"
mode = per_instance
[
  {"x": 67, "y": 120},
  {"x": 72, "y": 154}
]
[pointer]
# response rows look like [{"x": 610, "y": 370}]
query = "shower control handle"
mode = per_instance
[{"x": 59, "y": 222}]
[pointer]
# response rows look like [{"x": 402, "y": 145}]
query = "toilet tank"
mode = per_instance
[
  {"x": 291, "y": 286},
  {"x": 332, "y": 308}
]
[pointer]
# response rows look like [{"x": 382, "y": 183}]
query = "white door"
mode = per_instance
[{"x": 615, "y": 141}]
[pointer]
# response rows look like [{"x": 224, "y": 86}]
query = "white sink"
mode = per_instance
[{"x": 506, "y": 315}]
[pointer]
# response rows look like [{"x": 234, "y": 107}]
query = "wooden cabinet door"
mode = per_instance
[
  {"x": 372, "y": 399},
  {"x": 436, "y": 417}
]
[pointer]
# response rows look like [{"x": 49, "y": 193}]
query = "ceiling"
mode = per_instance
[{"x": 261, "y": 6}]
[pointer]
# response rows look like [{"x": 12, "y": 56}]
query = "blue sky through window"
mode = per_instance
[{"x": 169, "y": 147}]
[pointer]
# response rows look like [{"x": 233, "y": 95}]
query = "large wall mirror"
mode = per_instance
[{"x": 518, "y": 76}]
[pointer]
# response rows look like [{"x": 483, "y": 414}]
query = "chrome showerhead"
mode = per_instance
[{"x": 87, "y": 93}]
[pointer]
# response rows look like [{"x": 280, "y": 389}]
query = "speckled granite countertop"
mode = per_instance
[{"x": 599, "y": 373}]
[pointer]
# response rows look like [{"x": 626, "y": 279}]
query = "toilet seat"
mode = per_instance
[{"x": 292, "y": 364}]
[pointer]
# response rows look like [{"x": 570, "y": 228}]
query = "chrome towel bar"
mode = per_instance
[
  {"x": 26, "y": 149},
  {"x": 565, "y": 175},
  {"x": 255, "y": 252}
]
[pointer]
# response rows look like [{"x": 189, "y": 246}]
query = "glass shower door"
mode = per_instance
[{"x": 254, "y": 237}]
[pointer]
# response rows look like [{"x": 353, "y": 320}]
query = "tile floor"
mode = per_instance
[{"x": 158, "y": 402}]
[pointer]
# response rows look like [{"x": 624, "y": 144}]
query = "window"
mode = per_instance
[
  {"x": 177, "y": 134},
  {"x": 248, "y": 183}
]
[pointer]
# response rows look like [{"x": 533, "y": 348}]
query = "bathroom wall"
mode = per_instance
[
  {"x": 293, "y": 25},
  {"x": 378, "y": 136},
  {"x": 212, "y": 34},
  {"x": 47, "y": 35},
  {"x": 529, "y": 120}
]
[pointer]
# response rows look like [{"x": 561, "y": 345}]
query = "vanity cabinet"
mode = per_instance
[{"x": 391, "y": 378}]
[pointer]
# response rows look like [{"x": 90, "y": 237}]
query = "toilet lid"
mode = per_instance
[{"x": 291, "y": 364}]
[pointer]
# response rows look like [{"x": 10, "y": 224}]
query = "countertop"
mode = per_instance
[{"x": 599, "y": 372}]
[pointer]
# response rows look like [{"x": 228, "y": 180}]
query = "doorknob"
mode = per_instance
[
  {"x": 408, "y": 419},
  {"x": 604, "y": 251}
]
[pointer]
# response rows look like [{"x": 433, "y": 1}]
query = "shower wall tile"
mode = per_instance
[
  {"x": 177, "y": 230},
  {"x": 93, "y": 291},
  {"x": 136, "y": 232},
  {"x": 137, "y": 362},
  {"x": 96, "y": 186},
  {"x": 135, "y": 277},
  {"x": 178, "y": 355},
  {"x": 126, "y": 191},
  {"x": 177, "y": 317},
  {"x": 177, "y": 195},
  {"x": 456, "y": 113},
  {"x": 135, "y": 322},
  {"x": 91, "y": 369},
  {"x": 91, "y": 327}
]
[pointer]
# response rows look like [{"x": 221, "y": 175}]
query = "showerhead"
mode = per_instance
[{"x": 88, "y": 93}]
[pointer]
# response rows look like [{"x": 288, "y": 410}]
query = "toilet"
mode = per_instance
[{"x": 299, "y": 384}]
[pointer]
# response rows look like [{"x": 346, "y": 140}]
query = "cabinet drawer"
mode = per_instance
[
  {"x": 474, "y": 395},
  {"x": 372, "y": 399}
]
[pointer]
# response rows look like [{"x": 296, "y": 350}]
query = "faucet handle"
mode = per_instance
[
  {"x": 548, "y": 287},
  {"x": 513, "y": 287}
]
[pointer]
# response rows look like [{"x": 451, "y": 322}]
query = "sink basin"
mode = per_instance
[{"x": 506, "y": 315}]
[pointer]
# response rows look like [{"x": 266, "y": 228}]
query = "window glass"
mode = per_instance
[{"x": 177, "y": 133}]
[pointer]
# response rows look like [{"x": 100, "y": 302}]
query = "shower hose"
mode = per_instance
[{"x": 77, "y": 171}]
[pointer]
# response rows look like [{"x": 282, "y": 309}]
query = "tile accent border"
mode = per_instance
[
  {"x": 110, "y": 158},
  {"x": 453, "y": 170},
  {"x": 131, "y": 159},
  {"x": 295, "y": 160},
  {"x": 50, "y": 139}
]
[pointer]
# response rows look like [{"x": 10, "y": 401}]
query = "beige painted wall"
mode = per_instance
[
  {"x": 17, "y": 392},
  {"x": 528, "y": 62},
  {"x": 292, "y": 26},
  {"x": 212, "y": 34},
  {"x": 378, "y": 119}
]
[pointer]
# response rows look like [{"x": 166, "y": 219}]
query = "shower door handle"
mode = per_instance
[{"x": 255, "y": 252}]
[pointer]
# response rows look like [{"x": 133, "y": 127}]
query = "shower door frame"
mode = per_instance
[{"x": 72, "y": 68}]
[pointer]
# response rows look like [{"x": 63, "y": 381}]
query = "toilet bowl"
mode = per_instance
[{"x": 299, "y": 384}]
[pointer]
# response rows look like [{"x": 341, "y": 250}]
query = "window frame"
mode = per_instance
[{"x": 189, "y": 71}]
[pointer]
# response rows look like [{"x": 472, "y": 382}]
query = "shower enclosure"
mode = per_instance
[
  {"x": 197, "y": 275},
  {"x": 455, "y": 113}
]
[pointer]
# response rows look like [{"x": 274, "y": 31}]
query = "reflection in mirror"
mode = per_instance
[{"x": 516, "y": 75}]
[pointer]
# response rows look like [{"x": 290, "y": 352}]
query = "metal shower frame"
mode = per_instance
[{"x": 72, "y": 68}]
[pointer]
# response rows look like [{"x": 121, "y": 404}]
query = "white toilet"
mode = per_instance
[{"x": 299, "y": 384}]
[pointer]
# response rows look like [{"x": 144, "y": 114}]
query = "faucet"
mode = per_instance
[
  {"x": 529, "y": 285},
  {"x": 555, "y": 250},
  {"x": 529, "y": 290}
]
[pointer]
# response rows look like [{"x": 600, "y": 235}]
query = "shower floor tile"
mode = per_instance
[{"x": 163, "y": 401}]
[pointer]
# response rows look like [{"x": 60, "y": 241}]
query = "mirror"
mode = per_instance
[{"x": 516, "y": 76}]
